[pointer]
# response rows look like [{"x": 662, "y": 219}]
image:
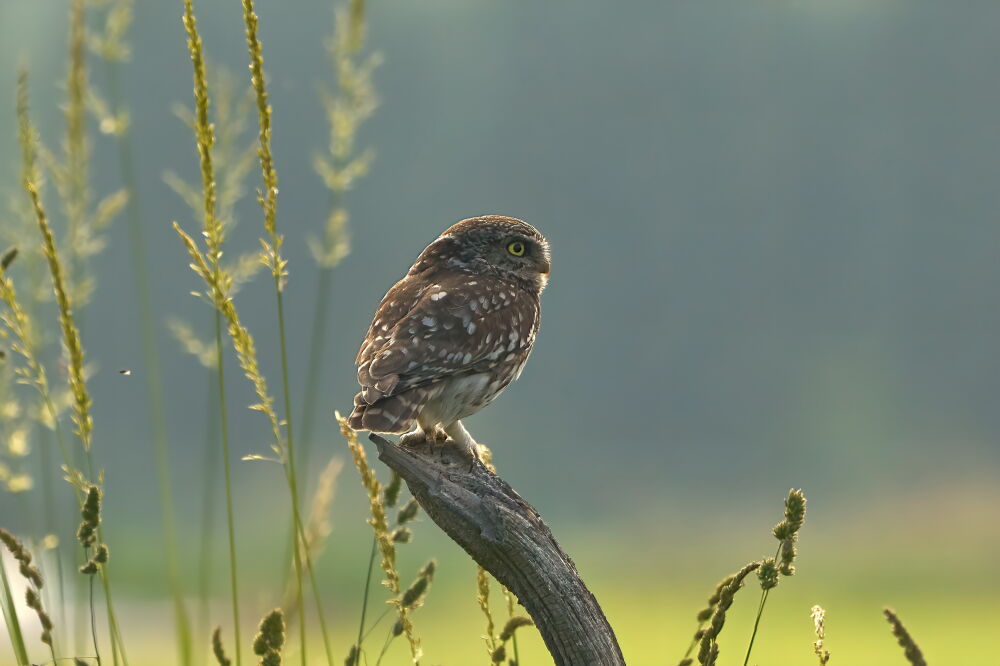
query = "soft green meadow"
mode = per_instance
[{"x": 754, "y": 290}]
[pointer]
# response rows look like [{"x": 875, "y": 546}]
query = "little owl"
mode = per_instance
[{"x": 454, "y": 332}]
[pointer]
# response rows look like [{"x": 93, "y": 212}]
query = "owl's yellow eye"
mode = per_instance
[{"x": 516, "y": 248}]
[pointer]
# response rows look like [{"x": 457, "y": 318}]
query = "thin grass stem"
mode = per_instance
[
  {"x": 271, "y": 255},
  {"x": 93, "y": 617},
  {"x": 317, "y": 343},
  {"x": 208, "y": 509},
  {"x": 377, "y": 622},
  {"x": 385, "y": 648},
  {"x": 364, "y": 598},
  {"x": 154, "y": 387},
  {"x": 82, "y": 416},
  {"x": 52, "y": 526},
  {"x": 760, "y": 612},
  {"x": 292, "y": 482},
  {"x": 10, "y": 618},
  {"x": 230, "y": 520},
  {"x": 205, "y": 138}
]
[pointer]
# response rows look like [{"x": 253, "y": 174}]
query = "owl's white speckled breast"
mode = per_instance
[{"x": 458, "y": 397}]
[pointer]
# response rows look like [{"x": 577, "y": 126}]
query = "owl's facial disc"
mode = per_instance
[
  {"x": 522, "y": 254},
  {"x": 495, "y": 244}
]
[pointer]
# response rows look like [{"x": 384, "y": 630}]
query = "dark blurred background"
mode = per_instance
[{"x": 775, "y": 263}]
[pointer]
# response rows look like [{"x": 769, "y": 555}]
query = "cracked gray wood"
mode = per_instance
[{"x": 507, "y": 537}]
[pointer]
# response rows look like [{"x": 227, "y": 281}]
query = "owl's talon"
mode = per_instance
[
  {"x": 413, "y": 440},
  {"x": 469, "y": 450}
]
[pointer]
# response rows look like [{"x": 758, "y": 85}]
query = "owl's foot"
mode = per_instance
[
  {"x": 463, "y": 440},
  {"x": 418, "y": 437},
  {"x": 414, "y": 439}
]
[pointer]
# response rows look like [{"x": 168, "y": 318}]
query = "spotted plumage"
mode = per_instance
[{"x": 455, "y": 331}]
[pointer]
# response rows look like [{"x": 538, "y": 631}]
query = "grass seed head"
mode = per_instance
[
  {"x": 390, "y": 494},
  {"x": 787, "y": 530},
  {"x": 768, "y": 574},
  {"x": 218, "y": 650},
  {"x": 23, "y": 558},
  {"x": 91, "y": 513},
  {"x": 910, "y": 649},
  {"x": 819, "y": 624},
  {"x": 414, "y": 595},
  {"x": 8, "y": 258},
  {"x": 708, "y": 651},
  {"x": 788, "y": 553},
  {"x": 270, "y": 638},
  {"x": 414, "y": 592},
  {"x": 795, "y": 515},
  {"x": 408, "y": 512},
  {"x": 512, "y": 625},
  {"x": 34, "y": 577}
]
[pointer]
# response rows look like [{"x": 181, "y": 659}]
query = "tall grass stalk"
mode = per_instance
[
  {"x": 390, "y": 495},
  {"x": 347, "y": 108},
  {"x": 246, "y": 352},
  {"x": 81, "y": 416},
  {"x": 114, "y": 52},
  {"x": 76, "y": 148},
  {"x": 19, "y": 324},
  {"x": 71, "y": 173},
  {"x": 271, "y": 257},
  {"x": 231, "y": 161},
  {"x": 213, "y": 231},
  {"x": 71, "y": 340},
  {"x": 386, "y": 545},
  {"x": 28, "y": 338},
  {"x": 206, "y": 264}
]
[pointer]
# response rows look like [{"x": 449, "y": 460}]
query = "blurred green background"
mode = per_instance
[{"x": 775, "y": 263}]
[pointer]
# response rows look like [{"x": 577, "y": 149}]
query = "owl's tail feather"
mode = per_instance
[{"x": 394, "y": 414}]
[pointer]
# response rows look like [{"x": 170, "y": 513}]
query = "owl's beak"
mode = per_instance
[{"x": 546, "y": 267}]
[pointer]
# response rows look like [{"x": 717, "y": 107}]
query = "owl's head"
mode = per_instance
[{"x": 491, "y": 244}]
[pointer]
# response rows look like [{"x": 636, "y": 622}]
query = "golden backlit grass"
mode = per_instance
[{"x": 651, "y": 598}]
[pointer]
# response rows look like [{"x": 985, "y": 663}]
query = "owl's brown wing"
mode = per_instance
[
  {"x": 456, "y": 324},
  {"x": 398, "y": 302}
]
